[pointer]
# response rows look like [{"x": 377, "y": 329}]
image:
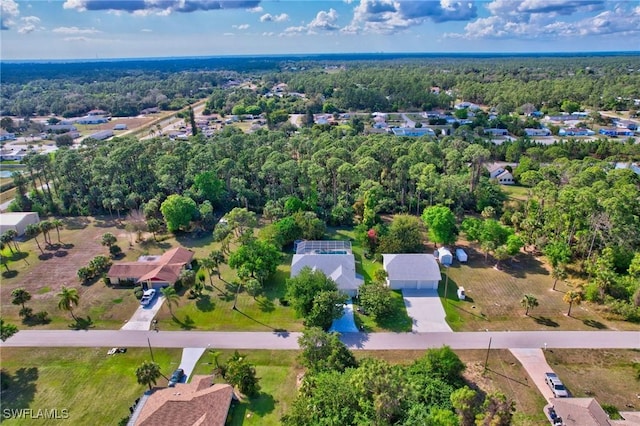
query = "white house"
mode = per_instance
[
  {"x": 411, "y": 271},
  {"x": 17, "y": 221},
  {"x": 505, "y": 178},
  {"x": 334, "y": 258},
  {"x": 537, "y": 132}
]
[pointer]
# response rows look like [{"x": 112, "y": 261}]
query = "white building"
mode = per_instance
[
  {"x": 17, "y": 221},
  {"x": 411, "y": 271}
]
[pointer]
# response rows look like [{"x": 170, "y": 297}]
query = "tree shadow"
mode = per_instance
[
  {"x": 76, "y": 223},
  {"x": 253, "y": 319},
  {"x": 106, "y": 223},
  {"x": 205, "y": 304},
  {"x": 18, "y": 389},
  {"x": 262, "y": 404},
  {"x": 53, "y": 247},
  {"x": 594, "y": 324},
  {"x": 265, "y": 304},
  {"x": 19, "y": 255},
  {"x": 68, "y": 246},
  {"x": 152, "y": 243},
  {"x": 82, "y": 323},
  {"x": 354, "y": 340},
  {"x": 60, "y": 253},
  {"x": 189, "y": 240},
  {"x": 9, "y": 274},
  {"x": 545, "y": 321},
  {"x": 45, "y": 256},
  {"x": 187, "y": 324}
]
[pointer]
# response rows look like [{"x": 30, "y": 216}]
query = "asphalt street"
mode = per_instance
[{"x": 364, "y": 341}]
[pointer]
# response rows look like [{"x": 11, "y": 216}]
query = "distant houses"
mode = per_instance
[
  {"x": 101, "y": 135},
  {"x": 537, "y": 132},
  {"x": 413, "y": 132},
  {"x": 573, "y": 131}
]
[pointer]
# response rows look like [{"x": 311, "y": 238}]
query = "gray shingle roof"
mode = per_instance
[{"x": 411, "y": 267}]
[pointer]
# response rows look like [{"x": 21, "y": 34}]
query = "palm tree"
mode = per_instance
[
  {"x": 218, "y": 258},
  {"x": 57, "y": 223},
  {"x": 528, "y": 301},
  {"x": 32, "y": 231},
  {"x": 148, "y": 373},
  {"x": 571, "y": 297},
  {"x": 45, "y": 227},
  {"x": 68, "y": 298},
  {"x": 6, "y": 239},
  {"x": 558, "y": 273},
  {"x": 172, "y": 297}
]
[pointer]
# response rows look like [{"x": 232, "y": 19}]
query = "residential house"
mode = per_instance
[
  {"x": 97, "y": 112},
  {"x": 14, "y": 153},
  {"x": 467, "y": 105},
  {"x": 120, "y": 126},
  {"x": 627, "y": 124},
  {"x": 635, "y": 167},
  {"x": 505, "y": 178},
  {"x": 101, "y": 135},
  {"x": 197, "y": 403},
  {"x": 496, "y": 132},
  {"x": 537, "y": 132},
  {"x": 17, "y": 221},
  {"x": 92, "y": 119},
  {"x": 334, "y": 258},
  {"x": 573, "y": 131},
  {"x": 152, "y": 110},
  {"x": 7, "y": 136},
  {"x": 411, "y": 271},
  {"x": 61, "y": 128},
  {"x": 613, "y": 132},
  {"x": 576, "y": 116},
  {"x": 580, "y": 411},
  {"x": 153, "y": 271}
]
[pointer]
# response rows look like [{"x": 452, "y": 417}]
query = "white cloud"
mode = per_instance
[
  {"x": 267, "y": 17},
  {"x": 9, "y": 11},
  {"x": 537, "y": 19},
  {"x": 324, "y": 21},
  {"x": 257, "y": 9},
  {"x": 146, "y": 30},
  {"x": 29, "y": 24},
  {"x": 77, "y": 39},
  {"x": 162, "y": 7},
  {"x": 241, "y": 26},
  {"x": 75, "y": 30}
]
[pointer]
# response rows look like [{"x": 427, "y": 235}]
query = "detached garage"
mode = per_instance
[
  {"x": 411, "y": 271},
  {"x": 17, "y": 221}
]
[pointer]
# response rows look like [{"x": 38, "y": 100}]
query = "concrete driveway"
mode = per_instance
[
  {"x": 426, "y": 311},
  {"x": 190, "y": 357},
  {"x": 142, "y": 317},
  {"x": 535, "y": 363}
]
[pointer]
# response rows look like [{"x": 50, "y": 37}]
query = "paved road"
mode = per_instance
[{"x": 285, "y": 340}]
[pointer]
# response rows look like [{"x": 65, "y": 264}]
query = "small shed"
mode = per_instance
[
  {"x": 17, "y": 221},
  {"x": 461, "y": 255},
  {"x": 444, "y": 256}
]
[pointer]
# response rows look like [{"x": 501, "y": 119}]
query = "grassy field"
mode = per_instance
[
  {"x": 95, "y": 388},
  {"x": 516, "y": 192}
]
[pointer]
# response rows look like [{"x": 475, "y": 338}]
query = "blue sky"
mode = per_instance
[{"x": 75, "y": 29}]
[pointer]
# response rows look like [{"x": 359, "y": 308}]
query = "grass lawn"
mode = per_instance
[
  {"x": 516, "y": 192},
  {"x": 94, "y": 387},
  {"x": 277, "y": 371},
  {"x": 607, "y": 375}
]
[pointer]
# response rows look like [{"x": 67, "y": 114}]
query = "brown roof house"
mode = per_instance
[
  {"x": 580, "y": 412},
  {"x": 197, "y": 403},
  {"x": 153, "y": 270}
]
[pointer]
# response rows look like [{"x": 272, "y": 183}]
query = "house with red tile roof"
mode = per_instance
[{"x": 156, "y": 271}]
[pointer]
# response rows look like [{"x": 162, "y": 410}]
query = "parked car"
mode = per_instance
[
  {"x": 176, "y": 377},
  {"x": 147, "y": 297},
  {"x": 556, "y": 385}
]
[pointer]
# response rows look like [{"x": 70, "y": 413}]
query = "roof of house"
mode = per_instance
[
  {"x": 11, "y": 219},
  {"x": 580, "y": 411},
  {"x": 411, "y": 267},
  {"x": 165, "y": 268},
  {"x": 195, "y": 403},
  {"x": 322, "y": 246},
  {"x": 341, "y": 268}
]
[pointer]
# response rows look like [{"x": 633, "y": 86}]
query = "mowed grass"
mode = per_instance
[
  {"x": 516, "y": 192},
  {"x": 94, "y": 387},
  {"x": 494, "y": 295},
  {"x": 277, "y": 371},
  {"x": 607, "y": 375}
]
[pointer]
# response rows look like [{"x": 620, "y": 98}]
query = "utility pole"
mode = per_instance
[
  {"x": 150, "y": 351},
  {"x": 446, "y": 283},
  {"x": 486, "y": 360}
]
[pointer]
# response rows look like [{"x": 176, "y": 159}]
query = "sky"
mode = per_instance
[{"x": 100, "y": 29}]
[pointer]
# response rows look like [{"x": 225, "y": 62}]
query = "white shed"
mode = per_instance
[
  {"x": 461, "y": 255},
  {"x": 444, "y": 256},
  {"x": 411, "y": 271},
  {"x": 17, "y": 221}
]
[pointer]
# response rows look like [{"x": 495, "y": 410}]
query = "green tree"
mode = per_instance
[
  {"x": 241, "y": 220},
  {"x": 45, "y": 227},
  {"x": 327, "y": 307},
  {"x": 558, "y": 252},
  {"x": 558, "y": 273},
  {"x": 68, "y": 298},
  {"x": 207, "y": 186},
  {"x": 528, "y": 301},
  {"x": 441, "y": 224},
  {"x": 172, "y": 297},
  {"x": 57, "y": 223},
  {"x": 178, "y": 211},
  {"x": 497, "y": 410},
  {"x": 7, "y": 330},
  {"x": 464, "y": 402},
  {"x": 260, "y": 258},
  {"x": 20, "y": 296},
  {"x": 108, "y": 239},
  {"x": 375, "y": 299},
  {"x": 572, "y": 297},
  {"x": 302, "y": 289},
  {"x": 154, "y": 226},
  {"x": 32, "y": 231},
  {"x": 241, "y": 374},
  {"x": 322, "y": 351},
  {"x": 404, "y": 235},
  {"x": 148, "y": 373},
  {"x": 253, "y": 287}
]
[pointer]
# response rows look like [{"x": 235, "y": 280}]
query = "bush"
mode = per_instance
[
  {"x": 42, "y": 317},
  {"x": 106, "y": 280},
  {"x": 26, "y": 312},
  {"x": 115, "y": 251},
  {"x": 611, "y": 411},
  {"x": 137, "y": 290}
]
